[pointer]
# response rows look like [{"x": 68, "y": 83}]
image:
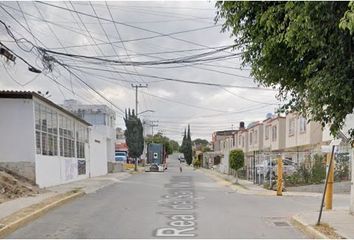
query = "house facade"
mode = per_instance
[
  {"x": 275, "y": 131},
  {"x": 53, "y": 145},
  {"x": 219, "y": 136},
  {"x": 301, "y": 137},
  {"x": 103, "y": 132}
]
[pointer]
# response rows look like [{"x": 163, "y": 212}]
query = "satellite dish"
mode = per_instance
[{"x": 269, "y": 115}]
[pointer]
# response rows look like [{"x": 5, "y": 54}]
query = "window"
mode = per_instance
[
  {"x": 81, "y": 138},
  {"x": 255, "y": 137},
  {"x": 251, "y": 137},
  {"x": 291, "y": 126},
  {"x": 302, "y": 124},
  {"x": 46, "y": 130},
  {"x": 266, "y": 134},
  {"x": 67, "y": 137},
  {"x": 274, "y": 133}
]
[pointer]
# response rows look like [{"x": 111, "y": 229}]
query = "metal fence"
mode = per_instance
[{"x": 299, "y": 167}]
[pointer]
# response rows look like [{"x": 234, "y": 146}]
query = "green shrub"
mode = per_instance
[
  {"x": 197, "y": 163},
  {"x": 318, "y": 170},
  {"x": 341, "y": 171}
]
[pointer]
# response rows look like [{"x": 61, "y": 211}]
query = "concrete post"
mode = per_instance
[
  {"x": 352, "y": 184},
  {"x": 329, "y": 192},
  {"x": 280, "y": 177}
]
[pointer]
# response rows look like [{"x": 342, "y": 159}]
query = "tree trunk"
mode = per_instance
[
  {"x": 136, "y": 165},
  {"x": 236, "y": 176}
]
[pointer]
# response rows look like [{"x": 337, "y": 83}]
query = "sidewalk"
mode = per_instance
[
  {"x": 337, "y": 223},
  {"x": 89, "y": 185}
]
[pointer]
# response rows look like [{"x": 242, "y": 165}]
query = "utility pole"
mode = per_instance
[
  {"x": 136, "y": 86},
  {"x": 153, "y": 124}
]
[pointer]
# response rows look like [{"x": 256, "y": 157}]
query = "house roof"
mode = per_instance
[
  {"x": 31, "y": 95},
  {"x": 269, "y": 120},
  {"x": 255, "y": 124},
  {"x": 225, "y": 132}
]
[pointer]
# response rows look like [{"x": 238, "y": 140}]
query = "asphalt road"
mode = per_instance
[{"x": 170, "y": 205}]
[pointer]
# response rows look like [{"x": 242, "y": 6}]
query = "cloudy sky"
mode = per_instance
[{"x": 140, "y": 33}]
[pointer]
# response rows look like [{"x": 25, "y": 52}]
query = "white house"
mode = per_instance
[
  {"x": 42, "y": 141},
  {"x": 102, "y": 142}
]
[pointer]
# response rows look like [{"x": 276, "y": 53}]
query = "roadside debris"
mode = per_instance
[{"x": 13, "y": 187}]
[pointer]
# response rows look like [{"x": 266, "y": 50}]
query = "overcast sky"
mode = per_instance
[{"x": 205, "y": 108}]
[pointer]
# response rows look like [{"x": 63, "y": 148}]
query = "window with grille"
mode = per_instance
[
  {"x": 46, "y": 127},
  {"x": 303, "y": 124},
  {"x": 291, "y": 126},
  {"x": 274, "y": 133}
]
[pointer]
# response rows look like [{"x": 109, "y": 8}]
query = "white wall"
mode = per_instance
[
  {"x": 17, "y": 139},
  {"x": 55, "y": 170},
  {"x": 110, "y": 134},
  {"x": 98, "y": 153},
  {"x": 48, "y": 170}
]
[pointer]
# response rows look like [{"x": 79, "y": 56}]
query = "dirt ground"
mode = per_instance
[
  {"x": 13, "y": 187},
  {"x": 328, "y": 231}
]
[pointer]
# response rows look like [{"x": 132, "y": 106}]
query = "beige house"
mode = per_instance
[
  {"x": 301, "y": 137},
  {"x": 242, "y": 140},
  {"x": 255, "y": 137},
  {"x": 274, "y": 134}
]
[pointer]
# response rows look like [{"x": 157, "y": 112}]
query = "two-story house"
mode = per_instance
[
  {"x": 301, "y": 137},
  {"x": 218, "y": 136},
  {"x": 274, "y": 134},
  {"x": 103, "y": 131}
]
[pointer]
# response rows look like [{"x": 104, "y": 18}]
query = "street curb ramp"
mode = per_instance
[
  {"x": 20, "y": 218},
  {"x": 308, "y": 229}
]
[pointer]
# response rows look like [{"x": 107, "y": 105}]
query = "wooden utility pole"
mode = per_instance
[{"x": 280, "y": 176}]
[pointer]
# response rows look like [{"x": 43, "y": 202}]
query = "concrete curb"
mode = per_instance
[
  {"x": 307, "y": 228},
  {"x": 9, "y": 226}
]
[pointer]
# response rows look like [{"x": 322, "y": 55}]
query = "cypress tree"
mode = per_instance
[
  {"x": 188, "y": 152},
  {"x": 134, "y": 135}
]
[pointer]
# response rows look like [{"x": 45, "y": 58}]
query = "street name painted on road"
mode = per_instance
[{"x": 180, "y": 202}]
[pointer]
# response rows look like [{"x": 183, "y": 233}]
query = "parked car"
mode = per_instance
[
  {"x": 121, "y": 156},
  {"x": 181, "y": 158},
  {"x": 289, "y": 167}
]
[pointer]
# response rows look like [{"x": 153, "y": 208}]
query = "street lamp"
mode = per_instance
[{"x": 146, "y": 111}]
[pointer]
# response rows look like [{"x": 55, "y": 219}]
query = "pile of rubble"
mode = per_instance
[{"x": 12, "y": 186}]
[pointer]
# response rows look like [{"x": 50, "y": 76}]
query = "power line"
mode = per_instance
[
  {"x": 97, "y": 92},
  {"x": 188, "y": 59},
  {"x": 179, "y": 80},
  {"x": 124, "y": 24}
]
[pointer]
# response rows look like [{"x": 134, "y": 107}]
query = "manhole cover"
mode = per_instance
[
  {"x": 277, "y": 221},
  {"x": 281, "y": 224}
]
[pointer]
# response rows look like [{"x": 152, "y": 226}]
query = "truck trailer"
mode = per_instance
[{"x": 156, "y": 158}]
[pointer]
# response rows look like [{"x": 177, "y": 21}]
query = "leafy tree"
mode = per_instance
[
  {"x": 236, "y": 160},
  {"x": 175, "y": 146},
  {"x": 347, "y": 22},
  {"x": 200, "y": 141},
  {"x": 134, "y": 135},
  {"x": 302, "y": 48},
  {"x": 159, "y": 138},
  {"x": 206, "y": 149}
]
